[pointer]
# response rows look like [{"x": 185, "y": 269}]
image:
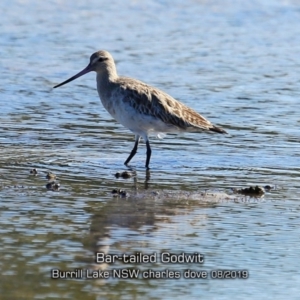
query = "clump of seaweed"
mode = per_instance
[
  {"x": 50, "y": 176},
  {"x": 268, "y": 188},
  {"x": 124, "y": 174},
  {"x": 256, "y": 191},
  {"x": 33, "y": 171},
  {"x": 119, "y": 193},
  {"x": 52, "y": 186}
]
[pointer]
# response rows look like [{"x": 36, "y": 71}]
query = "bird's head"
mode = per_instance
[{"x": 99, "y": 61}]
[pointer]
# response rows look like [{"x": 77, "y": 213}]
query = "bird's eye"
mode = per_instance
[{"x": 102, "y": 59}]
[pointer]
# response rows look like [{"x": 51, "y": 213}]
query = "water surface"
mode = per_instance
[{"x": 236, "y": 63}]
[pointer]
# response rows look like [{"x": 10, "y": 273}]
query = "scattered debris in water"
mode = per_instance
[
  {"x": 118, "y": 192},
  {"x": 52, "y": 186},
  {"x": 33, "y": 171},
  {"x": 124, "y": 174},
  {"x": 50, "y": 176},
  {"x": 173, "y": 196},
  {"x": 123, "y": 194},
  {"x": 115, "y": 191},
  {"x": 256, "y": 191},
  {"x": 269, "y": 188}
]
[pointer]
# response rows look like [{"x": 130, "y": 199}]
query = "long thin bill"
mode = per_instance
[{"x": 84, "y": 71}]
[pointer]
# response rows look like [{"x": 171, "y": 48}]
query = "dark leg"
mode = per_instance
[
  {"x": 133, "y": 151},
  {"x": 148, "y": 154}
]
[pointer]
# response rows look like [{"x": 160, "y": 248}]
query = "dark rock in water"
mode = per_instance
[
  {"x": 50, "y": 176},
  {"x": 123, "y": 194},
  {"x": 250, "y": 191},
  {"x": 115, "y": 191},
  {"x": 33, "y": 172},
  {"x": 118, "y": 192},
  {"x": 52, "y": 186},
  {"x": 268, "y": 188},
  {"x": 124, "y": 174}
]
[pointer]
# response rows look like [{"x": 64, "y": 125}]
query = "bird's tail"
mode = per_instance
[{"x": 217, "y": 129}]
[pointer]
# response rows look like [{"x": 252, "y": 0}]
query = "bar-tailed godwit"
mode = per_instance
[{"x": 140, "y": 107}]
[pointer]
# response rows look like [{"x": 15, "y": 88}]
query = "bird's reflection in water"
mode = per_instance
[
  {"x": 143, "y": 211},
  {"x": 147, "y": 179},
  {"x": 135, "y": 178}
]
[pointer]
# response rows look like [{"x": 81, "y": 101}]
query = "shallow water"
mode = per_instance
[{"x": 236, "y": 63}]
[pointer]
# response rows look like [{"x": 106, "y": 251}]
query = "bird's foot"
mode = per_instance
[{"x": 130, "y": 167}]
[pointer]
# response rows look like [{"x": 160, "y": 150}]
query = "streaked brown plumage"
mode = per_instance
[{"x": 140, "y": 107}]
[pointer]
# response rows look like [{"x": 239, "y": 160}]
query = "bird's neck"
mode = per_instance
[
  {"x": 107, "y": 75},
  {"x": 106, "y": 82}
]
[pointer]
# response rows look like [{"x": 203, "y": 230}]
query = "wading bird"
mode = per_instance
[{"x": 140, "y": 107}]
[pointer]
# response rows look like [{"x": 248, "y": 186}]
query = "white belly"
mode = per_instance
[{"x": 137, "y": 122}]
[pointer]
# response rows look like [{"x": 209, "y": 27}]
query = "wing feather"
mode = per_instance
[{"x": 154, "y": 102}]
